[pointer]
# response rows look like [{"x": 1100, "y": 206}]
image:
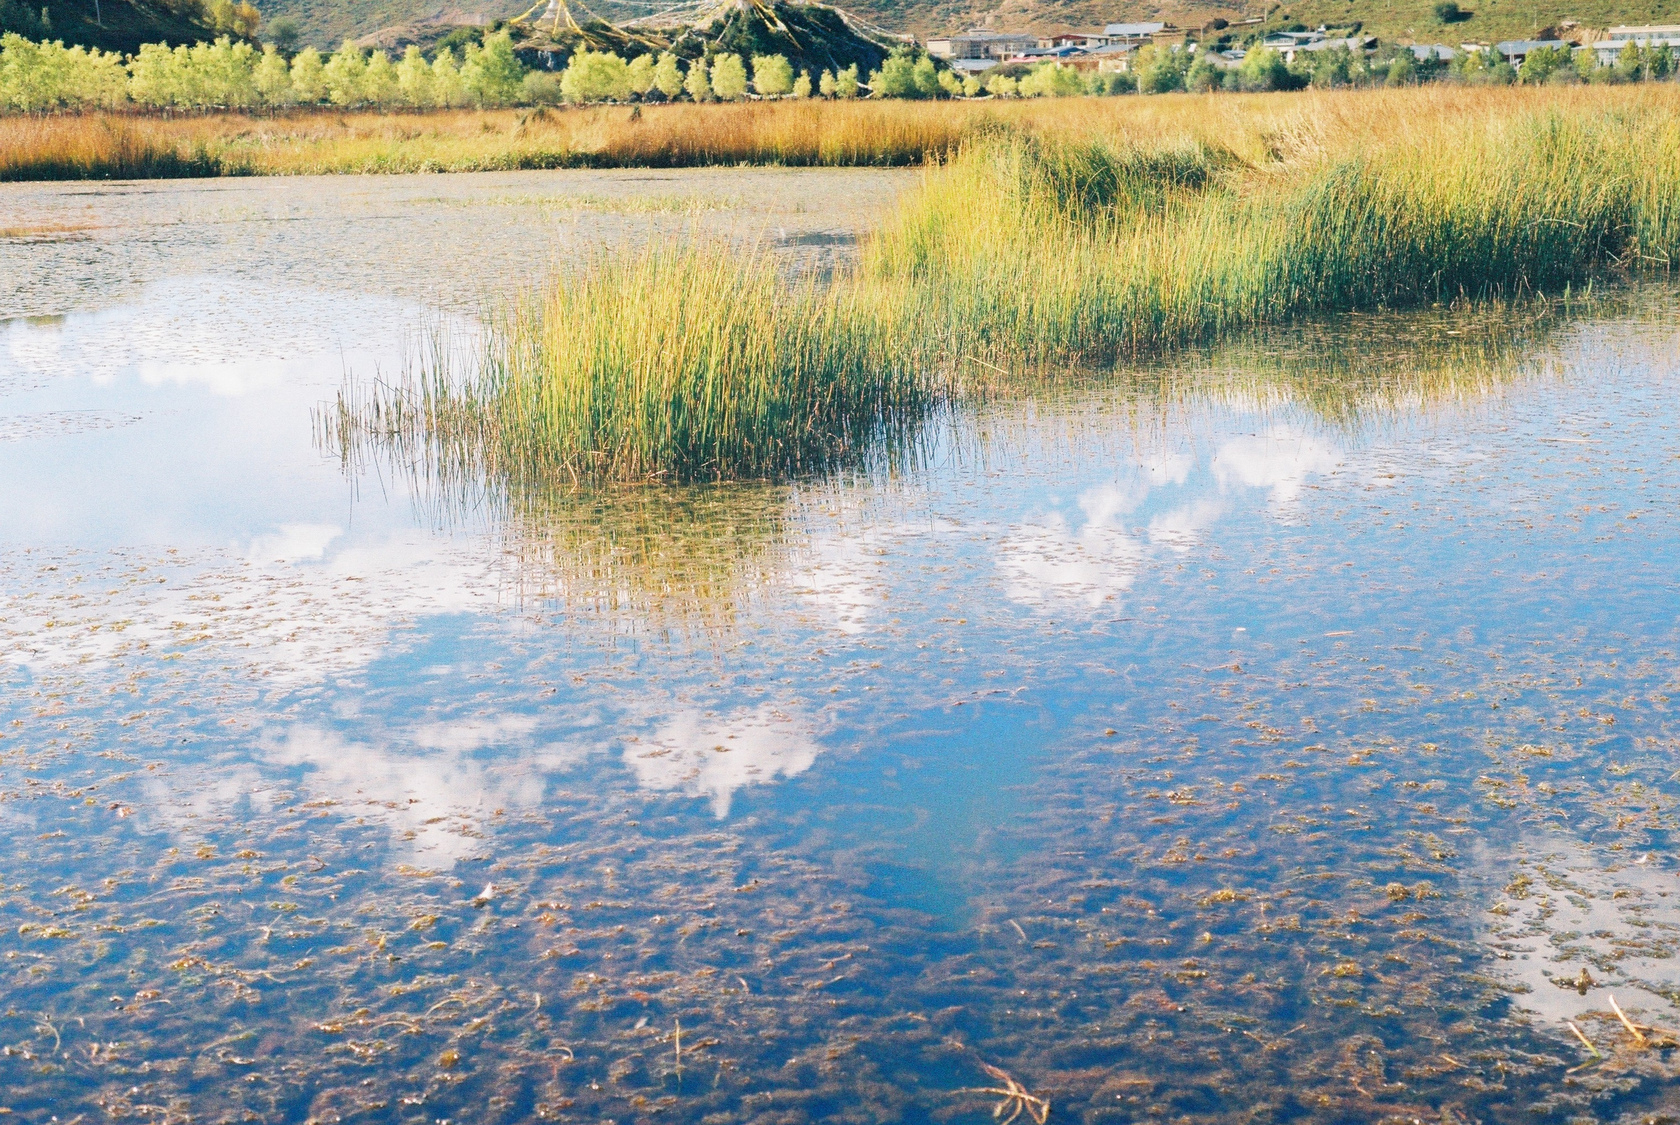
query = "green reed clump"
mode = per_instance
[
  {"x": 1094, "y": 250},
  {"x": 693, "y": 362}
]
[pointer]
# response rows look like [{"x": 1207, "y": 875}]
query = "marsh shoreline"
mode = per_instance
[{"x": 1260, "y": 128}]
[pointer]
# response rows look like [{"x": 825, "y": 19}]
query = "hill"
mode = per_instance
[
  {"x": 1414, "y": 20},
  {"x": 124, "y": 24},
  {"x": 119, "y": 25}
]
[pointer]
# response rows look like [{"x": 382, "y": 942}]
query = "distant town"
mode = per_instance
[{"x": 1117, "y": 46}]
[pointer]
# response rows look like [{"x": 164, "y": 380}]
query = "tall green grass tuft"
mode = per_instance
[
  {"x": 692, "y": 362},
  {"x": 704, "y": 362},
  {"x": 1093, "y": 250}
]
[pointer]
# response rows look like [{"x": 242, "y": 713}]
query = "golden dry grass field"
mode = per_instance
[{"x": 1256, "y": 127}]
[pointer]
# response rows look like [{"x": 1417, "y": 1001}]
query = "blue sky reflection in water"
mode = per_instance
[{"x": 1193, "y": 744}]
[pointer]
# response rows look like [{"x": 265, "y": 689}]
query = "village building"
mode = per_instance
[
  {"x": 1293, "y": 44},
  {"x": 1110, "y": 57},
  {"x": 1514, "y": 51},
  {"x": 978, "y": 44},
  {"x": 1616, "y": 39},
  {"x": 1132, "y": 32}
]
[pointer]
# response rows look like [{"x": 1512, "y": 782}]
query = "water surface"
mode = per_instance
[{"x": 1275, "y": 733}]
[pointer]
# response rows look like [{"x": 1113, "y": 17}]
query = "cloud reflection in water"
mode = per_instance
[{"x": 1097, "y": 559}]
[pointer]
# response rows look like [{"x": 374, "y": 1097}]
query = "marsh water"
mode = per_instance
[{"x": 1277, "y": 732}]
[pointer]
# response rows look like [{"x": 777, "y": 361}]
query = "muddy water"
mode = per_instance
[{"x": 1281, "y": 733}]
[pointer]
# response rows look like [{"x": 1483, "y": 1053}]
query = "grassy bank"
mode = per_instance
[
  {"x": 308, "y": 142},
  {"x": 1254, "y": 127},
  {"x": 1102, "y": 240}
]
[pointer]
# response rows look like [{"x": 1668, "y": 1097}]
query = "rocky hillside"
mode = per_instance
[
  {"x": 124, "y": 24},
  {"x": 1489, "y": 20},
  {"x": 114, "y": 25}
]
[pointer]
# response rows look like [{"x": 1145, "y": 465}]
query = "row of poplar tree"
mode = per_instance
[{"x": 44, "y": 76}]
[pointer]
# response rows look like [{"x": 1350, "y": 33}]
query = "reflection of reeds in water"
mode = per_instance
[
  {"x": 1357, "y": 370},
  {"x": 674, "y": 557},
  {"x": 665, "y": 555},
  {"x": 692, "y": 557}
]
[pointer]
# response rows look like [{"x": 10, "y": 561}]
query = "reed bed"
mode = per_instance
[
  {"x": 690, "y": 362},
  {"x": 1093, "y": 249},
  {"x": 1027, "y": 248},
  {"x": 1256, "y": 127}
]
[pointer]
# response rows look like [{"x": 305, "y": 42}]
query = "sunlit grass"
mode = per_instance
[
  {"x": 689, "y": 362},
  {"x": 1255, "y": 127},
  {"x": 1026, "y": 250}
]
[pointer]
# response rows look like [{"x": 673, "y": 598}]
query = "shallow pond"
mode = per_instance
[{"x": 1278, "y": 733}]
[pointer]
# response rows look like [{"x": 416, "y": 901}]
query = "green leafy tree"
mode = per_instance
[
  {"x": 1002, "y": 86},
  {"x": 284, "y": 35},
  {"x": 344, "y": 74},
  {"x": 151, "y": 74},
  {"x": 826, "y": 84},
  {"x": 226, "y": 72},
  {"x": 1485, "y": 68},
  {"x": 925, "y": 76},
  {"x": 698, "y": 84},
  {"x": 641, "y": 74},
  {"x": 972, "y": 86},
  {"x": 540, "y": 87},
  {"x": 414, "y": 78},
  {"x": 1107, "y": 83},
  {"x": 950, "y": 83},
  {"x": 667, "y": 75},
  {"x": 491, "y": 73},
  {"x": 1586, "y": 65},
  {"x": 1203, "y": 75},
  {"x": 1262, "y": 69},
  {"x": 447, "y": 87},
  {"x": 380, "y": 83},
  {"x": 896, "y": 78},
  {"x": 1050, "y": 80},
  {"x": 1542, "y": 62},
  {"x": 1161, "y": 71},
  {"x": 105, "y": 80},
  {"x": 729, "y": 77},
  {"x": 309, "y": 76},
  {"x": 1639, "y": 64},
  {"x": 802, "y": 85},
  {"x": 273, "y": 77},
  {"x": 595, "y": 76},
  {"x": 27, "y": 78},
  {"x": 772, "y": 75},
  {"x": 846, "y": 82},
  {"x": 1333, "y": 68},
  {"x": 44, "y": 76}
]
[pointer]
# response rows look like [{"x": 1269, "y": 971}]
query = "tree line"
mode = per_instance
[
  {"x": 42, "y": 76},
  {"x": 1163, "y": 71},
  {"x": 233, "y": 73}
]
